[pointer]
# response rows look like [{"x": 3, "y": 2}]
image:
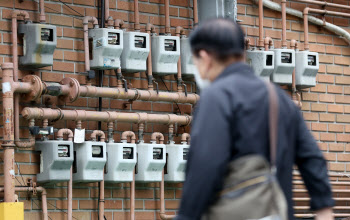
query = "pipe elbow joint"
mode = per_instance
[
  {"x": 118, "y": 23},
  {"x": 150, "y": 27},
  {"x": 157, "y": 136},
  {"x": 179, "y": 30},
  {"x": 64, "y": 131},
  {"x": 17, "y": 13},
  {"x": 127, "y": 134},
  {"x": 98, "y": 133}
]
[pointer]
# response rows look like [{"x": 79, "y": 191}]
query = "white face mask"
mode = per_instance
[{"x": 201, "y": 83}]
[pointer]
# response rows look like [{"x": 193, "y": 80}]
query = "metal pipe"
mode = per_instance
[
  {"x": 284, "y": 24},
  {"x": 268, "y": 43},
  {"x": 64, "y": 131},
  {"x": 130, "y": 134},
  {"x": 162, "y": 201},
  {"x": 167, "y": 17},
  {"x": 137, "y": 15},
  {"x": 157, "y": 136},
  {"x": 75, "y": 115},
  {"x": 70, "y": 195},
  {"x": 42, "y": 17},
  {"x": 247, "y": 43},
  {"x": 118, "y": 24},
  {"x": 98, "y": 133},
  {"x": 195, "y": 12},
  {"x": 306, "y": 28},
  {"x": 150, "y": 29},
  {"x": 110, "y": 132},
  {"x": 324, "y": 4},
  {"x": 185, "y": 137},
  {"x": 179, "y": 31},
  {"x": 335, "y": 13},
  {"x": 171, "y": 133},
  {"x": 261, "y": 25},
  {"x": 38, "y": 189}
]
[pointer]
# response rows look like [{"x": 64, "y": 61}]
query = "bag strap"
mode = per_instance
[{"x": 273, "y": 123}]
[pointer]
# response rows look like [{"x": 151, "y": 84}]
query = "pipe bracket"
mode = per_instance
[
  {"x": 74, "y": 91},
  {"x": 37, "y": 88}
]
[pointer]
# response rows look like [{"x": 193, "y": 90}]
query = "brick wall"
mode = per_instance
[{"x": 325, "y": 107}]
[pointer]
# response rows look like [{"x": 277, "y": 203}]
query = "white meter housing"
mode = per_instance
[
  {"x": 187, "y": 65},
  {"x": 89, "y": 161},
  {"x": 175, "y": 167},
  {"x": 39, "y": 44},
  {"x": 107, "y": 47},
  {"x": 262, "y": 62},
  {"x": 165, "y": 54},
  {"x": 150, "y": 162},
  {"x": 56, "y": 159},
  {"x": 135, "y": 52},
  {"x": 121, "y": 161},
  {"x": 307, "y": 69},
  {"x": 284, "y": 66}
]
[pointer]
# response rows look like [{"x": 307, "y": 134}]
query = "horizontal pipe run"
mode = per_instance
[
  {"x": 324, "y": 4},
  {"x": 335, "y": 13},
  {"x": 82, "y": 115}
]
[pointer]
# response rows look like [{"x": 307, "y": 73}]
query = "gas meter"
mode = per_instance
[
  {"x": 187, "y": 66},
  {"x": 89, "y": 161},
  {"x": 175, "y": 166},
  {"x": 135, "y": 52},
  {"x": 39, "y": 44},
  {"x": 262, "y": 62},
  {"x": 107, "y": 47},
  {"x": 165, "y": 54},
  {"x": 121, "y": 162},
  {"x": 150, "y": 162},
  {"x": 284, "y": 66},
  {"x": 56, "y": 159},
  {"x": 307, "y": 68}
]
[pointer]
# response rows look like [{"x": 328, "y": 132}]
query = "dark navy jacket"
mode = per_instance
[{"x": 230, "y": 121}]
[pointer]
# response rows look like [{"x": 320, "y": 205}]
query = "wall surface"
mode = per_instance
[{"x": 326, "y": 107}]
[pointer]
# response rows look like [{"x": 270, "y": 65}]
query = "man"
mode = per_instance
[{"x": 231, "y": 121}]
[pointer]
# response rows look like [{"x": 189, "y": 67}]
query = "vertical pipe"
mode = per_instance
[
  {"x": 137, "y": 15},
  {"x": 261, "y": 24},
  {"x": 102, "y": 200},
  {"x": 195, "y": 12},
  {"x": 106, "y": 17},
  {"x": 70, "y": 195},
  {"x": 42, "y": 17},
  {"x": 167, "y": 17},
  {"x": 284, "y": 24},
  {"x": 8, "y": 134},
  {"x": 179, "y": 31},
  {"x": 150, "y": 29},
  {"x": 44, "y": 203},
  {"x": 306, "y": 28},
  {"x": 132, "y": 198}
]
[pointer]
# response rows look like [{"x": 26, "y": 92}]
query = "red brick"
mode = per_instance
[
  {"x": 318, "y": 127},
  {"x": 334, "y": 89},
  {"x": 335, "y": 128},
  {"x": 61, "y": 20},
  {"x": 333, "y": 50},
  {"x": 74, "y": 56},
  {"x": 309, "y": 97},
  {"x": 326, "y": 98},
  {"x": 316, "y": 107},
  {"x": 337, "y": 166},
  {"x": 330, "y": 156},
  {"x": 310, "y": 116},
  {"x": 343, "y": 137},
  {"x": 343, "y": 80},
  {"x": 342, "y": 60},
  {"x": 327, "y": 137},
  {"x": 336, "y": 147},
  {"x": 342, "y": 99},
  {"x": 327, "y": 117},
  {"x": 325, "y": 78},
  {"x": 335, "y": 108},
  {"x": 64, "y": 44},
  {"x": 322, "y": 39},
  {"x": 319, "y": 88}
]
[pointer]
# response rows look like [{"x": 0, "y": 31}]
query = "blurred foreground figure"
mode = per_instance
[{"x": 231, "y": 122}]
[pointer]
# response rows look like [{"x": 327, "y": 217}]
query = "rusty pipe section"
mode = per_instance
[
  {"x": 185, "y": 137},
  {"x": 42, "y": 17},
  {"x": 38, "y": 189},
  {"x": 167, "y": 17},
  {"x": 162, "y": 201},
  {"x": 64, "y": 131},
  {"x": 268, "y": 43},
  {"x": 157, "y": 136},
  {"x": 179, "y": 31},
  {"x": 150, "y": 29},
  {"x": 82, "y": 115},
  {"x": 137, "y": 15},
  {"x": 261, "y": 25},
  {"x": 27, "y": 144},
  {"x": 284, "y": 23},
  {"x": 98, "y": 133},
  {"x": 130, "y": 134},
  {"x": 86, "y": 21}
]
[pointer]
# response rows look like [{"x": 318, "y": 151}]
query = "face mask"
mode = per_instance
[{"x": 201, "y": 83}]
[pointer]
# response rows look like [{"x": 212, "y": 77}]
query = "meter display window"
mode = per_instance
[
  {"x": 46, "y": 34},
  {"x": 140, "y": 41},
  {"x": 113, "y": 38},
  {"x": 157, "y": 153},
  {"x": 63, "y": 150},
  {"x": 185, "y": 153},
  {"x": 286, "y": 57},
  {"x": 97, "y": 151},
  {"x": 269, "y": 60},
  {"x": 128, "y": 153},
  {"x": 311, "y": 60},
  {"x": 170, "y": 45}
]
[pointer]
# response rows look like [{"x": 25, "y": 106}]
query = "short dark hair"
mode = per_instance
[{"x": 221, "y": 37}]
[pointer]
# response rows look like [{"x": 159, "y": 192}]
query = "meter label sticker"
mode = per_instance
[
  {"x": 99, "y": 42},
  {"x": 79, "y": 135},
  {"x": 6, "y": 87}
]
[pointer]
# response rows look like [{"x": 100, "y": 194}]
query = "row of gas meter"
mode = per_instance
[
  {"x": 115, "y": 162},
  {"x": 110, "y": 49},
  {"x": 278, "y": 65}
]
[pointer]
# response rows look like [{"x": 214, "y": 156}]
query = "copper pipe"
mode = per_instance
[
  {"x": 101, "y": 212},
  {"x": 162, "y": 201},
  {"x": 110, "y": 131},
  {"x": 15, "y": 14},
  {"x": 98, "y": 133},
  {"x": 325, "y": 4},
  {"x": 132, "y": 197},
  {"x": 306, "y": 28},
  {"x": 42, "y": 12},
  {"x": 268, "y": 43},
  {"x": 137, "y": 15},
  {"x": 284, "y": 24},
  {"x": 38, "y": 189},
  {"x": 261, "y": 24},
  {"x": 179, "y": 31},
  {"x": 185, "y": 137},
  {"x": 64, "y": 131},
  {"x": 75, "y": 115},
  {"x": 195, "y": 12},
  {"x": 171, "y": 133},
  {"x": 293, "y": 45},
  {"x": 107, "y": 10},
  {"x": 70, "y": 195},
  {"x": 150, "y": 29},
  {"x": 118, "y": 24},
  {"x": 167, "y": 17},
  {"x": 130, "y": 134},
  {"x": 86, "y": 21},
  {"x": 157, "y": 136}
]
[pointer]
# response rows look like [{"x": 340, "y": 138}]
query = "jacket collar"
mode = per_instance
[{"x": 234, "y": 68}]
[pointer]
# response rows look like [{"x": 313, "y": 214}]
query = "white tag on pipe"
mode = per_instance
[
  {"x": 79, "y": 135},
  {"x": 6, "y": 87}
]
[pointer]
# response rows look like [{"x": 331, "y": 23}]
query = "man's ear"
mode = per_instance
[{"x": 206, "y": 58}]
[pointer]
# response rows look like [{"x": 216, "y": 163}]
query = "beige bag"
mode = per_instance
[{"x": 251, "y": 190}]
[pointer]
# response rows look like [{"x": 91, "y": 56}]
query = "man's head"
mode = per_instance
[{"x": 215, "y": 44}]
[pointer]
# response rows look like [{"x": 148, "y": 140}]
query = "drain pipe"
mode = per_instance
[
  {"x": 70, "y": 134},
  {"x": 330, "y": 27}
]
